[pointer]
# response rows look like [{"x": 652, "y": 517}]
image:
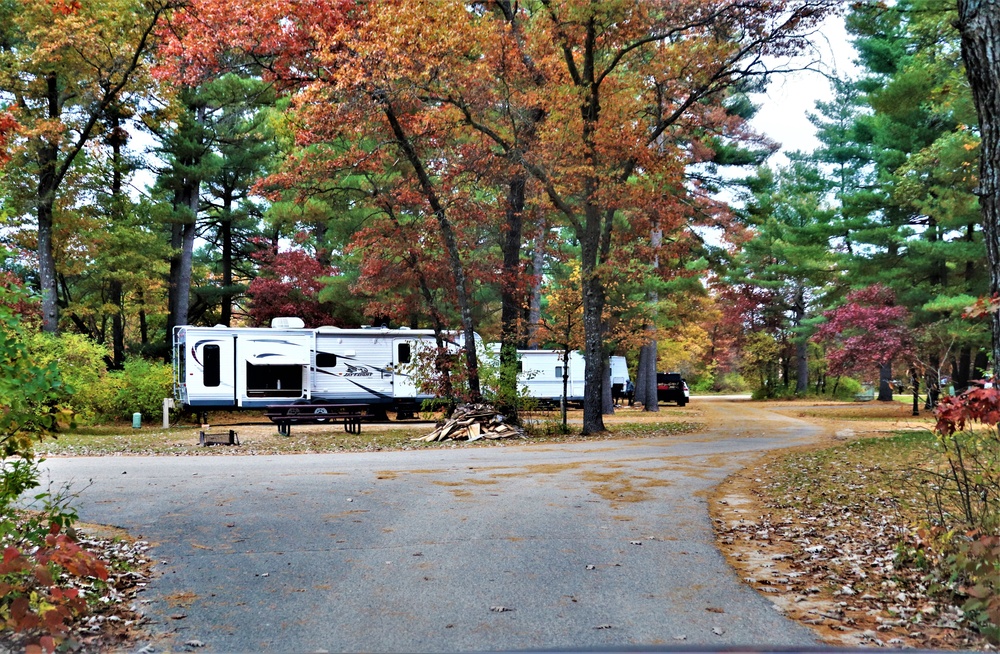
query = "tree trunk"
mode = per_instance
[
  {"x": 183, "y": 298},
  {"x": 885, "y": 382},
  {"x": 115, "y": 293},
  {"x": 802, "y": 367},
  {"x": 645, "y": 377},
  {"x": 179, "y": 291},
  {"x": 187, "y": 202},
  {"x": 607, "y": 401},
  {"x": 963, "y": 369},
  {"x": 979, "y": 25},
  {"x": 48, "y": 156},
  {"x": 593, "y": 318},
  {"x": 537, "y": 268},
  {"x": 510, "y": 297},
  {"x": 226, "y": 242},
  {"x": 650, "y": 352},
  {"x": 801, "y": 344}
]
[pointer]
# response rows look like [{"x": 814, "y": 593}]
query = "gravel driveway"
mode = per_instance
[{"x": 570, "y": 546}]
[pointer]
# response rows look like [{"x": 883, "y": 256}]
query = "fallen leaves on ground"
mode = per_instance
[
  {"x": 821, "y": 534},
  {"x": 112, "y": 621}
]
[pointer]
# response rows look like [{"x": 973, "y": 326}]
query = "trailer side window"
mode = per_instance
[
  {"x": 326, "y": 360},
  {"x": 403, "y": 353},
  {"x": 520, "y": 366},
  {"x": 559, "y": 372},
  {"x": 213, "y": 365}
]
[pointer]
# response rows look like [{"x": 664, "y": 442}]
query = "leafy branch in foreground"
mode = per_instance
[
  {"x": 43, "y": 570},
  {"x": 965, "y": 502}
]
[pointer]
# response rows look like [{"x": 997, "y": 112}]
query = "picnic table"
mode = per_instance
[{"x": 285, "y": 415}]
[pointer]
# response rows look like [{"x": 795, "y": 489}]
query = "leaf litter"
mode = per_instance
[{"x": 822, "y": 538}]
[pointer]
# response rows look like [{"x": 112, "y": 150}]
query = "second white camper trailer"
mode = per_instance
[{"x": 540, "y": 374}]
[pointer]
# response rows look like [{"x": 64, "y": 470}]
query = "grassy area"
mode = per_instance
[
  {"x": 879, "y": 412},
  {"x": 853, "y": 474},
  {"x": 263, "y": 438}
]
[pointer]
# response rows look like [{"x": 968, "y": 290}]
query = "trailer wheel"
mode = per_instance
[
  {"x": 320, "y": 411},
  {"x": 298, "y": 411}
]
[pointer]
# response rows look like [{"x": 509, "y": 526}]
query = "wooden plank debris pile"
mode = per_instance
[{"x": 472, "y": 422}]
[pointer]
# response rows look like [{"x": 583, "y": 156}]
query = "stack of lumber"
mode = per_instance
[{"x": 472, "y": 422}]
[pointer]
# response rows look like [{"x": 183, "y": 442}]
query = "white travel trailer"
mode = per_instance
[
  {"x": 254, "y": 367},
  {"x": 540, "y": 374}
]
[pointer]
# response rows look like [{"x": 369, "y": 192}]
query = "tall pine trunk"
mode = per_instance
[
  {"x": 801, "y": 343},
  {"x": 226, "y": 237},
  {"x": 645, "y": 381},
  {"x": 593, "y": 323},
  {"x": 979, "y": 25},
  {"x": 537, "y": 268},
  {"x": 115, "y": 291}
]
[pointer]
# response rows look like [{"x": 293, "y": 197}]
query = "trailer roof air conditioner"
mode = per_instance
[{"x": 287, "y": 323}]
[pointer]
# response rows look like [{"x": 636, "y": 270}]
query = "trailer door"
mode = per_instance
[
  {"x": 403, "y": 351},
  {"x": 211, "y": 371}
]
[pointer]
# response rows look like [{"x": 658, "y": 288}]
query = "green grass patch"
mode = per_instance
[{"x": 852, "y": 474}]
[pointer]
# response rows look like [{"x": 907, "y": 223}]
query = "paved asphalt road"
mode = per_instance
[{"x": 587, "y": 545}]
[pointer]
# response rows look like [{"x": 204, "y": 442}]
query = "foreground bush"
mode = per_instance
[
  {"x": 42, "y": 569},
  {"x": 964, "y": 501}
]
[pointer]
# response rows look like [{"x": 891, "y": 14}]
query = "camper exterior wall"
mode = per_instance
[
  {"x": 540, "y": 374},
  {"x": 221, "y": 367},
  {"x": 369, "y": 365}
]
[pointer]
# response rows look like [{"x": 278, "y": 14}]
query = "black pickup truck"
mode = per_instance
[{"x": 671, "y": 387}]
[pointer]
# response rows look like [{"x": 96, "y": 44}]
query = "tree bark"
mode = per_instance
[
  {"x": 649, "y": 353},
  {"x": 645, "y": 376},
  {"x": 607, "y": 401},
  {"x": 48, "y": 156},
  {"x": 115, "y": 292},
  {"x": 226, "y": 238},
  {"x": 510, "y": 296},
  {"x": 801, "y": 344},
  {"x": 979, "y": 26},
  {"x": 885, "y": 382},
  {"x": 962, "y": 369},
  {"x": 537, "y": 269}
]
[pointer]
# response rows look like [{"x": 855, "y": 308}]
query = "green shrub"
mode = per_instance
[
  {"x": 140, "y": 387},
  {"x": 81, "y": 365},
  {"x": 732, "y": 382},
  {"x": 43, "y": 568},
  {"x": 846, "y": 388}
]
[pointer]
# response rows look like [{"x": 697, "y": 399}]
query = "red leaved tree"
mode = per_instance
[
  {"x": 289, "y": 285},
  {"x": 867, "y": 333}
]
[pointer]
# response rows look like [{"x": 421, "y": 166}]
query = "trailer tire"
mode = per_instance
[
  {"x": 320, "y": 411},
  {"x": 297, "y": 410}
]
